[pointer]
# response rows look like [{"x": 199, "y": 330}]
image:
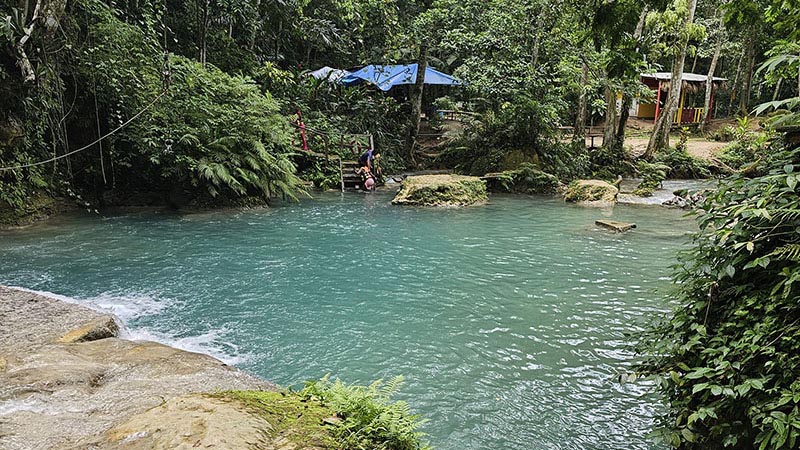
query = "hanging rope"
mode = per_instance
[
  {"x": 166, "y": 74},
  {"x": 86, "y": 147}
]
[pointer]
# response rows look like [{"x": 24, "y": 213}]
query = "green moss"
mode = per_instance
[
  {"x": 292, "y": 417},
  {"x": 591, "y": 191},
  {"x": 441, "y": 190},
  {"x": 37, "y": 207}
]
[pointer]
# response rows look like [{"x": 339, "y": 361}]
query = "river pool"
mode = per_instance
[{"x": 507, "y": 320}]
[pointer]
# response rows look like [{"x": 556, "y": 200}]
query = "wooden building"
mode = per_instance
[{"x": 692, "y": 99}]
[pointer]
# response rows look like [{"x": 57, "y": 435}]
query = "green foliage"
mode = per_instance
[
  {"x": 370, "y": 420},
  {"x": 653, "y": 174},
  {"x": 682, "y": 165},
  {"x": 527, "y": 179},
  {"x": 749, "y": 149},
  {"x": 526, "y": 125},
  {"x": 290, "y": 416},
  {"x": 728, "y": 358},
  {"x": 228, "y": 138}
]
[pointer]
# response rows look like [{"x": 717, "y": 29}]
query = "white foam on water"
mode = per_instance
[
  {"x": 212, "y": 343},
  {"x": 125, "y": 307},
  {"x": 128, "y": 307}
]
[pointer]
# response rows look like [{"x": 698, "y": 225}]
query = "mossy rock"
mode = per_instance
[
  {"x": 441, "y": 190},
  {"x": 294, "y": 422},
  {"x": 591, "y": 192},
  {"x": 526, "y": 179},
  {"x": 38, "y": 207}
]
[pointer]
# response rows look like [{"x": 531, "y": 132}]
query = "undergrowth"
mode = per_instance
[{"x": 333, "y": 415}]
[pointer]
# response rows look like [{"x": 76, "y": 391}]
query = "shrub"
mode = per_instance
[
  {"x": 728, "y": 358},
  {"x": 370, "y": 420},
  {"x": 527, "y": 179},
  {"x": 682, "y": 164},
  {"x": 525, "y": 128},
  {"x": 653, "y": 174}
]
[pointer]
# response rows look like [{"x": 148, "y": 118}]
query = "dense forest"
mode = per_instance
[
  {"x": 207, "y": 89},
  {"x": 122, "y": 102}
]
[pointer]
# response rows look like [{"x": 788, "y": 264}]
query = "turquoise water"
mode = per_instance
[{"x": 508, "y": 320}]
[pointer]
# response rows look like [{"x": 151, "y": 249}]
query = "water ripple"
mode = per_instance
[{"x": 508, "y": 320}]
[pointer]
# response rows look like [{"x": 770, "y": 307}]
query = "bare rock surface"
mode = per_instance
[{"x": 67, "y": 381}]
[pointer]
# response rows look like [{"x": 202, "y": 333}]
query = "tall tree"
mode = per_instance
[
  {"x": 710, "y": 78},
  {"x": 683, "y": 16},
  {"x": 418, "y": 88}
]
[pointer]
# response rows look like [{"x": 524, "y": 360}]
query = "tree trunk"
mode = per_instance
[
  {"x": 736, "y": 79},
  {"x": 24, "y": 63},
  {"x": 202, "y": 33},
  {"x": 627, "y": 100},
  {"x": 660, "y": 137},
  {"x": 251, "y": 44},
  {"x": 777, "y": 90},
  {"x": 710, "y": 82},
  {"x": 416, "y": 93},
  {"x": 747, "y": 85},
  {"x": 416, "y": 100},
  {"x": 580, "y": 121},
  {"x": 610, "y": 125},
  {"x": 537, "y": 40}
]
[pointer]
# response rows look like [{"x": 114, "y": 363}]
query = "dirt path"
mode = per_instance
[{"x": 697, "y": 147}]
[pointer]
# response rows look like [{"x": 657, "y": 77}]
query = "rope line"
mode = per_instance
[{"x": 86, "y": 147}]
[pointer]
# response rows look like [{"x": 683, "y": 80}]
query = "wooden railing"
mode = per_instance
[{"x": 688, "y": 115}]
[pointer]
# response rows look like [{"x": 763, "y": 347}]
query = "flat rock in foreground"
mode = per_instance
[
  {"x": 66, "y": 382},
  {"x": 441, "y": 190}
]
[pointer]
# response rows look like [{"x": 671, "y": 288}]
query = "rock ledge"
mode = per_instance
[{"x": 441, "y": 190}]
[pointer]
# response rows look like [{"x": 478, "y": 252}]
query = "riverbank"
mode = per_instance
[{"x": 68, "y": 380}]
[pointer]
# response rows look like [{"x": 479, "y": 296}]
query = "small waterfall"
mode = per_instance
[{"x": 666, "y": 192}]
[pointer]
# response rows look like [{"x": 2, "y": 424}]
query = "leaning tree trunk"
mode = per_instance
[
  {"x": 660, "y": 136},
  {"x": 777, "y": 90},
  {"x": 23, "y": 61},
  {"x": 710, "y": 82},
  {"x": 579, "y": 134}
]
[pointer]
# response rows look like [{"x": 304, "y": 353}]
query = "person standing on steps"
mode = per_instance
[{"x": 368, "y": 168}]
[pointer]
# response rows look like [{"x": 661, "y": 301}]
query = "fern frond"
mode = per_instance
[{"x": 788, "y": 252}]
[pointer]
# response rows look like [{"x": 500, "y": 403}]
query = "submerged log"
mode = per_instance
[{"x": 619, "y": 227}]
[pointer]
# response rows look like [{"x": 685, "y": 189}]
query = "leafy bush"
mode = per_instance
[
  {"x": 370, "y": 419},
  {"x": 728, "y": 359},
  {"x": 653, "y": 174},
  {"x": 524, "y": 129},
  {"x": 229, "y": 139},
  {"x": 527, "y": 179},
  {"x": 682, "y": 165},
  {"x": 749, "y": 148}
]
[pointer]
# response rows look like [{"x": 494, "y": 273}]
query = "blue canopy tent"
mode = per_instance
[
  {"x": 388, "y": 76},
  {"x": 329, "y": 73}
]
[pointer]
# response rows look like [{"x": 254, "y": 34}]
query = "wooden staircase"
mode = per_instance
[{"x": 350, "y": 179}]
